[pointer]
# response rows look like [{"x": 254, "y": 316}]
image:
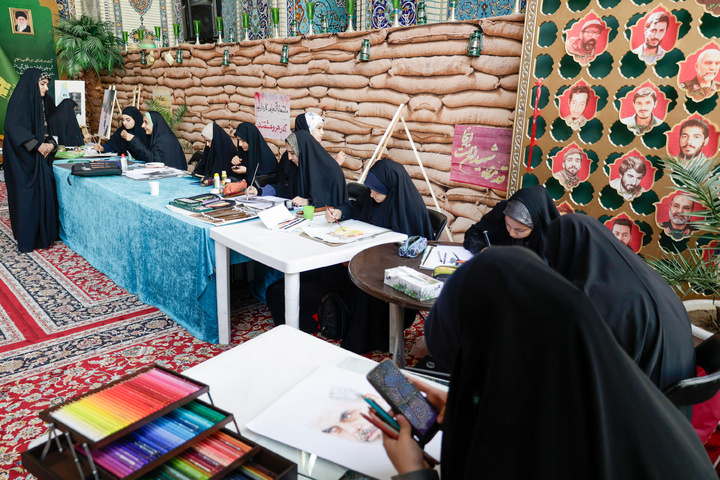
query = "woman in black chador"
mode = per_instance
[
  {"x": 643, "y": 312},
  {"x": 29, "y": 152},
  {"x": 132, "y": 121},
  {"x": 254, "y": 153},
  {"x": 164, "y": 146},
  {"x": 217, "y": 155},
  {"x": 521, "y": 220},
  {"x": 63, "y": 124},
  {"x": 541, "y": 390}
]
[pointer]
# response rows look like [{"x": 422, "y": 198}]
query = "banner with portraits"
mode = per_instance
[{"x": 622, "y": 84}]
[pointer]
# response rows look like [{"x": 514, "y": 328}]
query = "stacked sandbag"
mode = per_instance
[{"x": 424, "y": 67}]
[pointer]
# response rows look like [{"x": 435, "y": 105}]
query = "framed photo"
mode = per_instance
[
  {"x": 654, "y": 35},
  {"x": 643, "y": 108},
  {"x": 587, "y": 38},
  {"x": 631, "y": 175},
  {"x": 578, "y": 104},
  {"x": 571, "y": 166},
  {"x": 626, "y": 231},
  {"x": 693, "y": 138},
  {"x": 22, "y": 22},
  {"x": 699, "y": 74}
]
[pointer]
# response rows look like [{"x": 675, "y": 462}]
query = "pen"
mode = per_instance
[
  {"x": 487, "y": 239},
  {"x": 444, "y": 258},
  {"x": 426, "y": 253},
  {"x": 394, "y": 434},
  {"x": 439, "y": 256},
  {"x": 456, "y": 257}
]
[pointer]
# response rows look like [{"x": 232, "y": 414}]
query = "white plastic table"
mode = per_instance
[{"x": 287, "y": 252}]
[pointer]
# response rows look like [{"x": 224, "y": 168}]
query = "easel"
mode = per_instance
[
  {"x": 381, "y": 149},
  {"x": 137, "y": 95}
]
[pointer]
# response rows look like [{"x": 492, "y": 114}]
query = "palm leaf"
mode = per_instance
[{"x": 84, "y": 44}]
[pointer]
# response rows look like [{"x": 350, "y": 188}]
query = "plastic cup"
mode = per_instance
[
  {"x": 154, "y": 187},
  {"x": 308, "y": 212}
]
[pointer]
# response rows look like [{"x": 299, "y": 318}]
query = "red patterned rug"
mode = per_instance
[{"x": 65, "y": 328}]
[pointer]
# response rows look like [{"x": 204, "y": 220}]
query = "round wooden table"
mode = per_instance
[{"x": 367, "y": 271}]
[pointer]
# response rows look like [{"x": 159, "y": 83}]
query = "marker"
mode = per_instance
[
  {"x": 382, "y": 413},
  {"x": 487, "y": 239}
]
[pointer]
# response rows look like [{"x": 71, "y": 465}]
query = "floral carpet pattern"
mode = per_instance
[{"x": 65, "y": 328}]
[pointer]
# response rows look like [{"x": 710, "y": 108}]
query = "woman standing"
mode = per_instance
[
  {"x": 164, "y": 146},
  {"x": 29, "y": 152},
  {"x": 132, "y": 121}
]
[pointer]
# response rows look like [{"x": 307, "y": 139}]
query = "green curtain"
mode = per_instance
[{"x": 8, "y": 79}]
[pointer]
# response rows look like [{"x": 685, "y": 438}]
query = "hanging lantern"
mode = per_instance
[
  {"x": 365, "y": 51},
  {"x": 421, "y": 14},
  {"x": 179, "y": 56},
  {"x": 143, "y": 59},
  {"x": 226, "y": 58},
  {"x": 294, "y": 32},
  {"x": 475, "y": 44},
  {"x": 285, "y": 55}
]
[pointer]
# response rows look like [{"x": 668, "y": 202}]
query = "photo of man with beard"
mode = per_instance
[
  {"x": 583, "y": 47},
  {"x": 571, "y": 163},
  {"x": 622, "y": 229},
  {"x": 632, "y": 171},
  {"x": 644, "y": 103},
  {"x": 704, "y": 85},
  {"x": 679, "y": 211},
  {"x": 694, "y": 136},
  {"x": 656, "y": 25}
]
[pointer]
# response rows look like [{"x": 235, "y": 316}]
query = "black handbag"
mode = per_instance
[{"x": 96, "y": 169}]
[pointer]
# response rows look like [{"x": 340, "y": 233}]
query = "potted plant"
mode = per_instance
[
  {"x": 86, "y": 48},
  {"x": 691, "y": 271}
]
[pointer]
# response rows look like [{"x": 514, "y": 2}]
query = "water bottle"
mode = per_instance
[{"x": 123, "y": 163}]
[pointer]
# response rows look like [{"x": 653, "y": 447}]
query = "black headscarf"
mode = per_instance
[
  {"x": 32, "y": 197},
  {"x": 63, "y": 124},
  {"x": 164, "y": 145},
  {"x": 218, "y": 156},
  {"x": 301, "y": 123},
  {"x": 541, "y": 390},
  {"x": 403, "y": 209},
  {"x": 320, "y": 178},
  {"x": 118, "y": 144},
  {"x": 258, "y": 155},
  {"x": 542, "y": 211},
  {"x": 644, "y": 314}
]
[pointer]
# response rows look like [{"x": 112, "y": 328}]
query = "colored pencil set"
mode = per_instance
[
  {"x": 109, "y": 410},
  {"x": 203, "y": 460},
  {"x": 140, "y": 447}
]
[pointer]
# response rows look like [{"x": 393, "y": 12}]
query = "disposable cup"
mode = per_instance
[
  {"x": 154, "y": 187},
  {"x": 308, "y": 212}
]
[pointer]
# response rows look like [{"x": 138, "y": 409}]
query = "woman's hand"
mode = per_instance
[
  {"x": 127, "y": 135},
  {"x": 45, "y": 148},
  {"x": 405, "y": 453},
  {"x": 99, "y": 148},
  {"x": 239, "y": 169},
  {"x": 340, "y": 158},
  {"x": 436, "y": 397},
  {"x": 332, "y": 214},
  {"x": 300, "y": 202},
  {"x": 236, "y": 161},
  {"x": 251, "y": 191}
]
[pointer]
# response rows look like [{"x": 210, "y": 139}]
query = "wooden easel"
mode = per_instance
[
  {"x": 137, "y": 95},
  {"x": 381, "y": 149}
]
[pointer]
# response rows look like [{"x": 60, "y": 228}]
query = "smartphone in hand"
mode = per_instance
[{"x": 405, "y": 399}]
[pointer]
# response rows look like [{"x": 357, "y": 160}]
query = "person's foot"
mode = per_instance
[{"x": 419, "y": 349}]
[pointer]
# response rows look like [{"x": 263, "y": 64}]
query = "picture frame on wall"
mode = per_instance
[{"x": 22, "y": 22}]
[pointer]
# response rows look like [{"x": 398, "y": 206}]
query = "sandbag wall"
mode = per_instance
[{"x": 425, "y": 67}]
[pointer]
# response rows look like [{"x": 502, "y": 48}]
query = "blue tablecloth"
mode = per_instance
[{"x": 167, "y": 259}]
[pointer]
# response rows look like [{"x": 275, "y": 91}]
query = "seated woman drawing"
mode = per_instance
[
  {"x": 254, "y": 155},
  {"x": 536, "y": 368},
  {"x": 164, "y": 146},
  {"x": 64, "y": 125},
  {"x": 521, "y": 220},
  {"x": 132, "y": 121},
  {"x": 217, "y": 155}
]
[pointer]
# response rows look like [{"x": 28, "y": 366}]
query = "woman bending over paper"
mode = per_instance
[
  {"x": 217, "y": 155},
  {"x": 164, "y": 146},
  {"x": 254, "y": 154},
  {"x": 537, "y": 369},
  {"x": 132, "y": 121}
]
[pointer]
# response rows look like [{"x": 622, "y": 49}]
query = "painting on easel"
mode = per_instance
[{"x": 106, "y": 113}]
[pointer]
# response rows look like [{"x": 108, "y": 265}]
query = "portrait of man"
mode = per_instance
[
  {"x": 22, "y": 21},
  {"x": 703, "y": 84},
  {"x": 587, "y": 43},
  {"x": 644, "y": 102},
  {"x": 678, "y": 211},
  {"x": 577, "y": 105},
  {"x": 632, "y": 170},
  {"x": 622, "y": 229},
  {"x": 570, "y": 167},
  {"x": 565, "y": 208},
  {"x": 341, "y": 417},
  {"x": 656, "y": 26},
  {"x": 694, "y": 136}
]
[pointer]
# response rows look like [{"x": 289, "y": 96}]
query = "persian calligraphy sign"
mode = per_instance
[
  {"x": 272, "y": 115},
  {"x": 481, "y": 156}
]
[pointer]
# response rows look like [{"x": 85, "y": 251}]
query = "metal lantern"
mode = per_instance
[
  {"x": 285, "y": 55},
  {"x": 421, "y": 14},
  {"x": 365, "y": 51},
  {"x": 323, "y": 24},
  {"x": 475, "y": 44},
  {"x": 226, "y": 58},
  {"x": 179, "y": 56},
  {"x": 294, "y": 32},
  {"x": 143, "y": 59}
]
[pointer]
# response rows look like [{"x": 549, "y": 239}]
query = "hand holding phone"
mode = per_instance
[{"x": 405, "y": 399}]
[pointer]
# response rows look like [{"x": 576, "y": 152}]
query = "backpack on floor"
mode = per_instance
[{"x": 333, "y": 316}]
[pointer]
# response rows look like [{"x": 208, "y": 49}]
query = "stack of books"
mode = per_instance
[{"x": 205, "y": 202}]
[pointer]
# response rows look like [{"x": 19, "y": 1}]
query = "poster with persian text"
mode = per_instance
[
  {"x": 481, "y": 156},
  {"x": 272, "y": 115}
]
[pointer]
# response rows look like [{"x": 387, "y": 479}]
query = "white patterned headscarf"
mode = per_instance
[{"x": 313, "y": 120}]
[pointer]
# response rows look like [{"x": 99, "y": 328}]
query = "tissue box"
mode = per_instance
[{"x": 413, "y": 283}]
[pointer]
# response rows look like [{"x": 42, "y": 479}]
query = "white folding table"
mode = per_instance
[{"x": 287, "y": 252}]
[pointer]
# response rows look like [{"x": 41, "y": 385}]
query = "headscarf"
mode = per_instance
[
  {"x": 63, "y": 124},
  {"x": 164, "y": 145},
  {"x": 403, "y": 209},
  {"x": 258, "y": 155},
  {"x": 218, "y": 156},
  {"x": 301, "y": 123},
  {"x": 313, "y": 120},
  {"x": 207, "y": 131},
  {"x": 644, "y": 314},
  {"x": 538, "y": 372},
  {"x": 320, "y": 178},
  {"x": 118, "y": 144},
  {"x": 542, "y": 210},
  {"x": 32, "y": 198}
]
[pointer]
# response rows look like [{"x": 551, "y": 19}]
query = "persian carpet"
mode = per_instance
[{"x": 65, "y": 328}]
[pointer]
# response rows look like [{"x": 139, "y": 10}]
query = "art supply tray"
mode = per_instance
[{"x": 50, "y": 416}]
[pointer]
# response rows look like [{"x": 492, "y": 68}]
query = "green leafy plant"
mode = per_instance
[
  {"x": 173, "y": 118},
  {"x": 85, "y": 44},
  {"x": 689, "y": 272}
]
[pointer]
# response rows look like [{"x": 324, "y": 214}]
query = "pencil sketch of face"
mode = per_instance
[{"x": 341, "y": 416}]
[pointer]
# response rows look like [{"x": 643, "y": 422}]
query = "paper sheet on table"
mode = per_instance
[
  {"x": 153, "y": 173},
  {"x": 280, "y": 218},
  {"x": 260, "y": 203},
  {"x": 350, "y": 231},
  {"x": 439, "y": 255},
  {"x": 330, "y": 399}
]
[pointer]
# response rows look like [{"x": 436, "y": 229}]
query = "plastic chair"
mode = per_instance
[
  {"x": 692, "y": 391},
  {"x": 438, "y": 220}
]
